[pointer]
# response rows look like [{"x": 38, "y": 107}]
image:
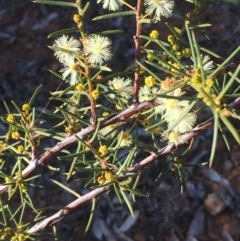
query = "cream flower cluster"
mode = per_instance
[
  {"x": 206, "y": 63},
  {"x": 71, "y": 68},
  {"x": 159, "y": 8},
  {"x": 121, "y": 87},
  {"x": 66, "y": 47},
  {"x": 112, "y": 5},
  {"x": 97, "y": 50},
  {"x": 172, "y": 111},
  {"x": 146, "y": 93},
  {"x": 124, "y": 138},
  {"x": 155, "y": 8}
]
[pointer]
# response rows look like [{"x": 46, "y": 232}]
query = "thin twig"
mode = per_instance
[{"x": 137, "y": 53}]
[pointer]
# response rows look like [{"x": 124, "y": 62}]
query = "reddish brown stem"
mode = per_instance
[{"x": 137, "y": 53}]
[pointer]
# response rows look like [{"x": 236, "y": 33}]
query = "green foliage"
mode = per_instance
[{"x": 97, "y": 123}]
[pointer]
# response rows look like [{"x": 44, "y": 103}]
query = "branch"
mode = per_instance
[
  {"x": 167, "y": 149},
  {"x": 235, "y": 104},
  {"x": 42, "y": 159},
  {"x": 96, "y": 192},
  {"x": 68, "y": 209},
  {"x": 121, "y": 117}
]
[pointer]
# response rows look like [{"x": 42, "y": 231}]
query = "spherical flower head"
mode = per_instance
[
  {"x": 146, "y": 93},
  {"x": 162, "y": 8},
  {"x": 70, "y": 68},
  {"x": 196, "y": 81},
  {"x": 206, "y": 64},
  {"x": 169, "y": 105},
  {"x": 177, "y": 66},
  {"x": 10, "y": 118},
  {"x": 185, "y": 123},
  {"x": 80, "y": 87},
  {"x": 109, "y": 176},
  {"x": 3, "y": 145},
  {"x": 77, "y": 18},
  {"x": 97, "y": 49},
  {"x": 175, "y": 47},
  {"x": 15, "y": 135},
  {"x": 150, "y": 57},
  {"x": 66, "y": 43},
  {"x": 209, "y": 83},
  {"x": 21, "y": 148},
  {"x": 126, "y": 139},
  {"x": 110, "y": 4},
  {"x": 105, "y": 114},
  {"x": 174, "y": 138},
  {"x": 101, "y": 180},
  {"x": 171, "y": 38},
  {"x": 95, "y": 94},
  {"x": 103, "y": 150},
  {"x": 121, "y": 87},
  {"x": 154, "y": 34},
  {"x": 150, "y": 81},
  {"x": 25, "y": 107},
  {"x": 173, "y": 111},
  {"x": 187, "y": 52}
]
